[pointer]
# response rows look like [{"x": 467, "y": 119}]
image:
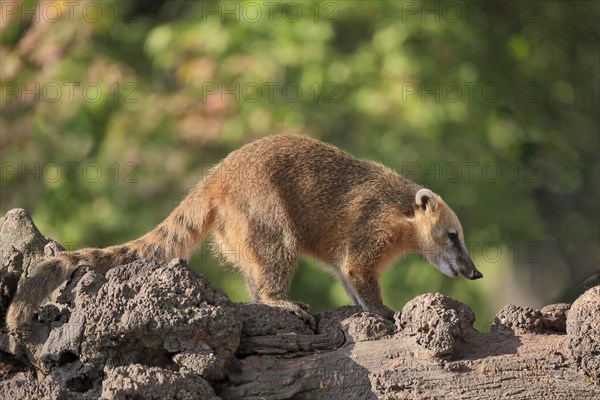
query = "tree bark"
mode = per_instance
[{"x": 156, "y": 330}]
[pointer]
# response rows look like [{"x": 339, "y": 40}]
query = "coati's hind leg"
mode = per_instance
[
  {"x": 231, "y": 251},
  {"x": 266, "y": 259},
  {"x": 274, "y": 262},
  {"x": 268, "y": 284},
  {"x": 272, "y": 281},
  {"x": 254, "y": 291}
]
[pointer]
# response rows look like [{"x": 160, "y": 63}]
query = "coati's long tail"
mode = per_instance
[{"x": 176, "y": 236}]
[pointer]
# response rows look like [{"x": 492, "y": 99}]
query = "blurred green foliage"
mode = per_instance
[{"x": 111, "y": 111}]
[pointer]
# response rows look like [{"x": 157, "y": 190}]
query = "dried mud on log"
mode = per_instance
[{"x": 155, "y": 330}]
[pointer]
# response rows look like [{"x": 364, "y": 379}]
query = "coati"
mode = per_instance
[{"x": 275, "y": 199}]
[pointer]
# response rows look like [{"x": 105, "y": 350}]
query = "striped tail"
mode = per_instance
[{"x": 177, "y": 236}]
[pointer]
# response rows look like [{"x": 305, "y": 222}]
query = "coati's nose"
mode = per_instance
[{"x": 475, "y": 274}]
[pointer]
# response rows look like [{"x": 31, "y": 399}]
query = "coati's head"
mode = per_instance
[{"x": 440, "y": 236}]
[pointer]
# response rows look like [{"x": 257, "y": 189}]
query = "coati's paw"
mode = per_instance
[
  {"x": 298, "y": 310},
  {"x": 384, "y": 311},
  {"x": 302, "y": 305}
]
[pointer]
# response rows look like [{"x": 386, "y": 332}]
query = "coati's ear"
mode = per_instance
[{"x": 425, "y": 199}]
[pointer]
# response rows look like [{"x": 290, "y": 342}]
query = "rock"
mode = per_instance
[
  {"x": 148, "y": 311},
  {"x": 202, "y": 362},
  {"x": 9, "y": 366},
  {"x": 263, "y": 320},
  {"x": 583, "y": 332},
  {"x": 519, "y": 319},
  {"x": 152, "y": 329},
  {"x": 366, "y": 326},
  {"x": 357, "y": 326},
  {"x": 152, "y": 383},
  {"x": 22, "y": 246},
  {"x": 438, "y": 322},
  {"x": 25, "y": 386},
  {"x": 555, "y": 317},
  {"x": 62, "y": 344},
  {"x": 154, "y": 315},
  {"x": 330, "y": 320}
]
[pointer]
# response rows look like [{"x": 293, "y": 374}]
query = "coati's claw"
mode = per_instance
[
  {"x": 385, "y": 312},
  {"x": 302, "y": 305},
  {"x": 299, "y": 310},
  {"x": 309, "y": 320}
]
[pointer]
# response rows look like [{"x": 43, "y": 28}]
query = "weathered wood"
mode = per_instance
[
  {"x": 290, "y": 343},
  {"x": 157, "y": 330},
  {"x": 493, "y": 366}
]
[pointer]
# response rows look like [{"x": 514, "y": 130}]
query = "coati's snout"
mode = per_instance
[
  {"x": 441, "y": 237},
  {"x": 467, "y": 267},
  {"x": 475, "y": 275}
]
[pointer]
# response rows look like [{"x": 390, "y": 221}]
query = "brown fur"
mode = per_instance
[{"x": 271, "y": 201}]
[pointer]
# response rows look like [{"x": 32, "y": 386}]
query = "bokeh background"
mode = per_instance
[{"x": 111, "y": 111}]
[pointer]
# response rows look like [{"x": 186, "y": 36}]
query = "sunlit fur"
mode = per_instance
[{"x": 434, "y": 221}]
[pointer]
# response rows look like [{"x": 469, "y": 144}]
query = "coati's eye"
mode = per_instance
[{"x": 452, "y": 235}]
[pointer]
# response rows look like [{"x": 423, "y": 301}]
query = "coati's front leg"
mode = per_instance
[
  {"x": 251, "y": 286},
  {"x": 363, "y": 279},
  {"x": 368, "y": 248},
  {"x": 348, "y": 287}
]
